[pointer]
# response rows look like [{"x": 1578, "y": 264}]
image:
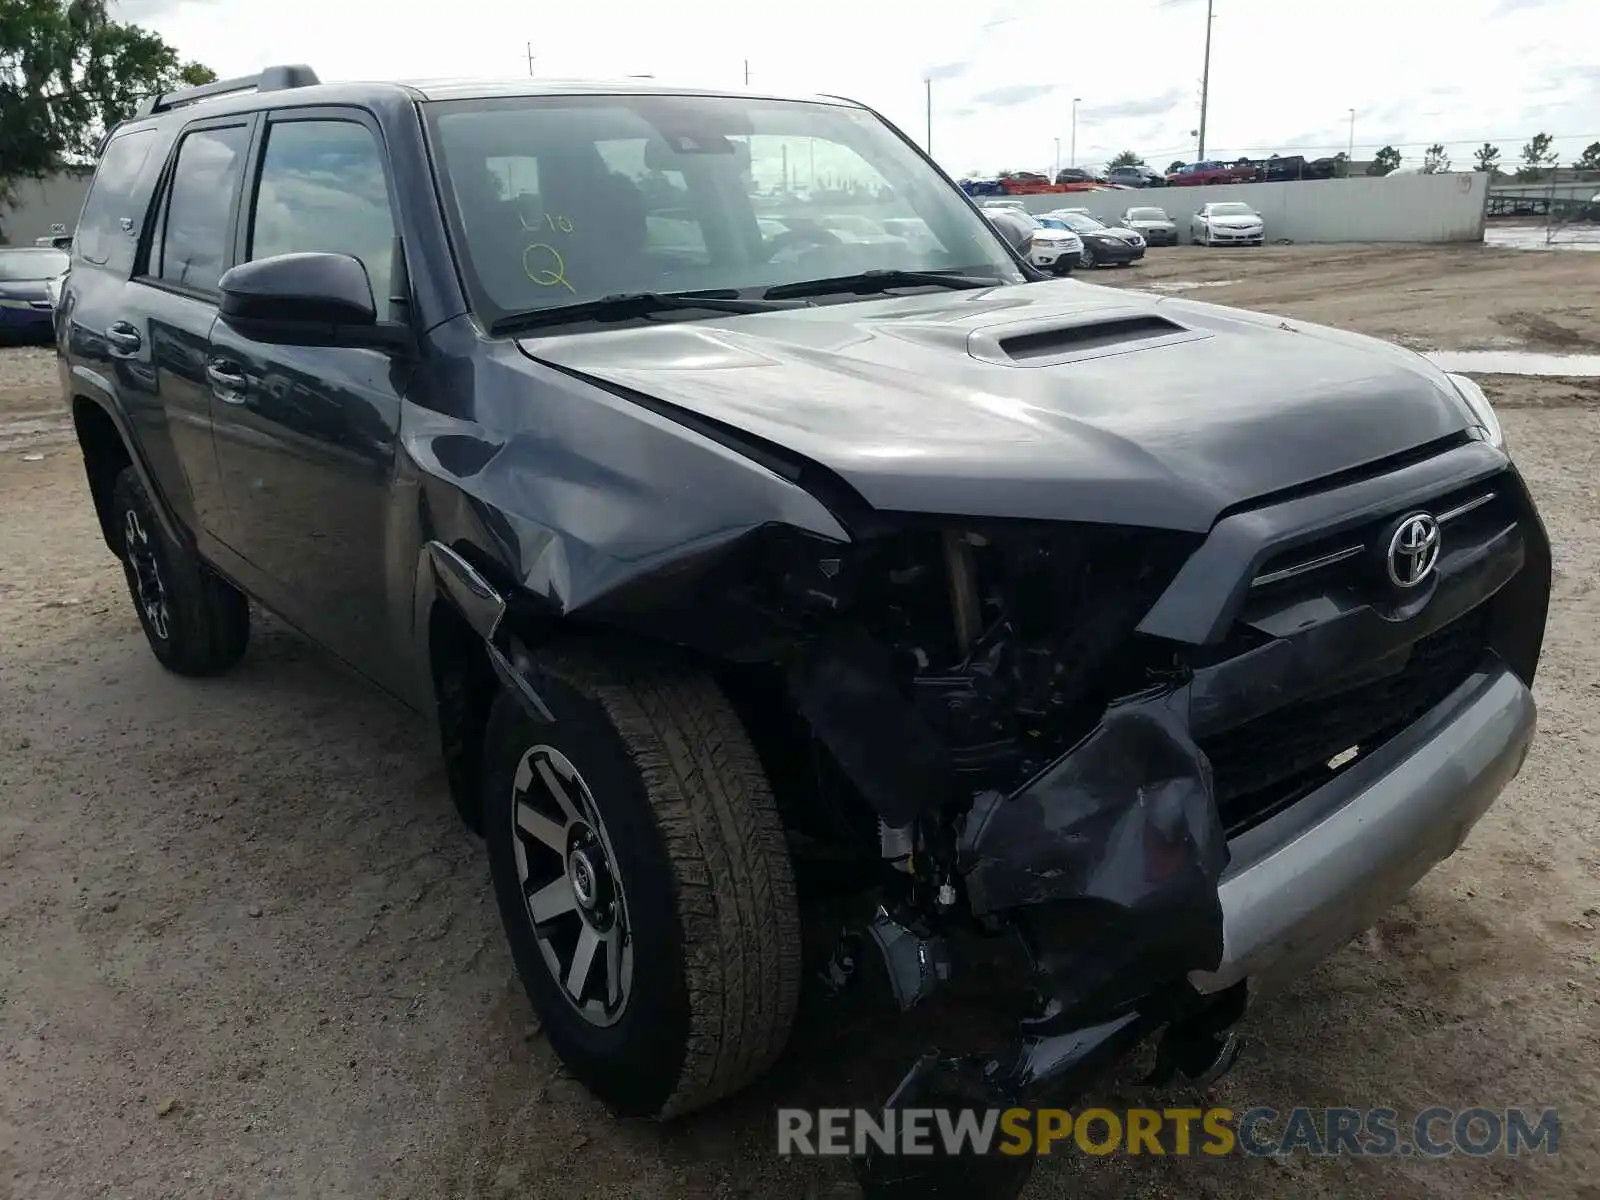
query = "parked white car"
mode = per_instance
[{"x": 1227, "y": 223}]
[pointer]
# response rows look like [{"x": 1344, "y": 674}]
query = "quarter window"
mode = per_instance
[
  {"x": 323, "y": 189},
  {"x": 113, "y": 215},
  {"x": 192, "y": 248}
]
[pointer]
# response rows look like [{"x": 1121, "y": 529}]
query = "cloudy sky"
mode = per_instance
[{"x": 1284, "y": 73}]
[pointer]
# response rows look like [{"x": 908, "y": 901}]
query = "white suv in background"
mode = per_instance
[
  {"x": 1052, "y": 250},
  {"x": 1227, "y": 223}
]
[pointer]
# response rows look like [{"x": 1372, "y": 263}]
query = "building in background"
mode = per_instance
[{"x": 42, "y": 208}]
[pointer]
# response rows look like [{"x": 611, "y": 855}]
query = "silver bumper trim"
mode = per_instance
[{"x": 1305, "y": 882}]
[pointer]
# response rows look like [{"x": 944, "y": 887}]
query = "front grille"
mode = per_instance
[
  {"x": 1266, "y": 764},
  {"x": 1468, "y": 517}
]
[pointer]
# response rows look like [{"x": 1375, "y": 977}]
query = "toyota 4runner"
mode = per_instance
[{"x": 1162, "y": 644}]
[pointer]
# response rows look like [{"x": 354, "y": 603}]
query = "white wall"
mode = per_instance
[{"x": 1405, "y": 208}]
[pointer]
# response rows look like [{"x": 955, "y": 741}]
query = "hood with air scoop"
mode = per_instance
[{"x": 1053, "y": 401}]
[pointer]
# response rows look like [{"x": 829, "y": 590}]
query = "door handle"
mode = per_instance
[
  {"x": 228, "y": 382},
  {"x": 123, "y": 338}
]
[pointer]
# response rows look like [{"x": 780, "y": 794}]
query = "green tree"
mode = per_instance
[
  {"x": 68, "y": 72},
  {"x": 1536, "y": 156},
  {"x": 1487, "y": 158},
  {"x": 1589, "y": 160},
  {"x": 1384, "y": 161},
  {"x": 1435, "y": 160},
  {"x": 1126, "y": 159},
  {"x": 1341, "y": 165},
  {"x": 1176, "y": 164}
]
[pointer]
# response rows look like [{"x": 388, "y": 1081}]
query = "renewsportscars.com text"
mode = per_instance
[{"x": 1216, "y": 1132}]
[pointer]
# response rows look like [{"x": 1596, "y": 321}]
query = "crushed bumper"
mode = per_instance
[{"x": 1308, "y": 880}]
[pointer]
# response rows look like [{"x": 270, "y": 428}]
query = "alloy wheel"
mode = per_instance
[
  {"x": 571, "y": 885},
  {"x": 141, "y": 558}
]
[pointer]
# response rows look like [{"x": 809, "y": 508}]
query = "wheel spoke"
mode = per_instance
[
  {"x": 582, "y": 961},
  {"x": 552, "y": 900},
  {"x": 559, "y": 791},
  {"x": 536, "y": 825},
  {"x": 613, "y": 941}
]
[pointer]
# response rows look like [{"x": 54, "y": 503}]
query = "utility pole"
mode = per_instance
[
  {"x": 1205, "y": 83},
  {"x": 1057, "y": 171},
  {"x": 928, "y": 84},
  {"x": 530, "y": 58},
  {"x": 747, "y": 72},
  {"x": 1350, "y": 152},
  {"x": 1073, "y": 160}
]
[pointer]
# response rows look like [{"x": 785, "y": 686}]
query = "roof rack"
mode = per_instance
[{"x": 272, "y": 79}]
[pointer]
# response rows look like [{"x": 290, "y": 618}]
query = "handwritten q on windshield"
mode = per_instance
[{"x": 541, "y": 261}]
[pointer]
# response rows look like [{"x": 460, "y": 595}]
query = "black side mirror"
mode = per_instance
[{"x": 311, "y": 299}]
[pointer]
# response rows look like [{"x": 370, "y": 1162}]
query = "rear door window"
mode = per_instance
[{"x": 193, "y": 244}]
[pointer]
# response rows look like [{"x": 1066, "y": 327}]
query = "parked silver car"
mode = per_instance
[
  {"x": 1227, "y": 223},
  {"x": 1153, "y": 224}
]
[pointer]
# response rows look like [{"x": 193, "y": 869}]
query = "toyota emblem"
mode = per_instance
[{"x": 1413, "y": 550}]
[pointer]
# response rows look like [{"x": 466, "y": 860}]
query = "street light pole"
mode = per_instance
[
  {"x": 1058, "y": 161},
  {"x": 1350, "y": 153},
  {"x": 1205, "y": 87},
  {"x": 530, "y": 58},
  {"x": 927, "y": 83},
  {"x": 1074, "y": 159}
]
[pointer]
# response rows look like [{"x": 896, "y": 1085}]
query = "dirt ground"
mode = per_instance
[{"x": 246, "y": 950}]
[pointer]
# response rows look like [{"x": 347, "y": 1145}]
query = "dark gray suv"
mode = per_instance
[{"x": 1160, "y": 645}]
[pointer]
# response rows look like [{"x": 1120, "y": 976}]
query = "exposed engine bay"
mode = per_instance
[
  {"x": 980, "y": 709},
  {"x": 989, "y": 653}
]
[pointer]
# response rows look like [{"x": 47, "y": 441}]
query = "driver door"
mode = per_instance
[{"x": 306, "y": 435}]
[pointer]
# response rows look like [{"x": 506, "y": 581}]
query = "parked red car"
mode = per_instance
[{"x": 1196, "y": 173}]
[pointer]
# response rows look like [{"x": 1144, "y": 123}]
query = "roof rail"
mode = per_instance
[{"x": 272, "y": 79}]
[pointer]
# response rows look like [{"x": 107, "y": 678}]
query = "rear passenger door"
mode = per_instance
[
  {"x": 305, "y": 435},
  {"x": 164, "y": 327}
]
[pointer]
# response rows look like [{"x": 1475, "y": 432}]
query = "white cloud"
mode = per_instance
[{"x": 1284, "y": 76}]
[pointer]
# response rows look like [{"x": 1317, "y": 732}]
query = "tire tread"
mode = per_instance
[{"x": 735, "y": 885}]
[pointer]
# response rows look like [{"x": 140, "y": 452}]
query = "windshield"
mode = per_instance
[
  {"x": 1232, "y": 210},
  {"x": 27, "y": 266},
  {"x": 1080, "y": 222},
  {"x": 1147, "y": 214},
  {"x": 557, "y": 200}
]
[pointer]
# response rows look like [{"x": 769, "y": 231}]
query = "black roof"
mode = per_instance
[{"x": 301, "y": 85}]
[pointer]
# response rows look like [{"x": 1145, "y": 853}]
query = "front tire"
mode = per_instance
[
  {"x": 1086, "y": 259},
  {"x": 196, "y": 622},
  {"x": 643, "y": 880}
]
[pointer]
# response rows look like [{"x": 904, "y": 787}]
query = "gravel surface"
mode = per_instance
[{"x": 246, "y": 950}]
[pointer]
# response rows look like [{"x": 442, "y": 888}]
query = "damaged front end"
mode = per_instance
[
  {"x": 986, "y": 717},
  {"x": 1021, "y": 746}
]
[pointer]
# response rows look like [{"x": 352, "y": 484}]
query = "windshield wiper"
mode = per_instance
[
  {"x": 869, "y": 282},
  {"x": 622, "y": 306}
]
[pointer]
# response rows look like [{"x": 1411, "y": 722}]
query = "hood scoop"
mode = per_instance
[{"x": 1046, "y": 342}]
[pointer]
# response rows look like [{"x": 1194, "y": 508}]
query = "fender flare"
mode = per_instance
[
  {"x": 444, "y": 574},
  {"x": 91, "y": 388}
]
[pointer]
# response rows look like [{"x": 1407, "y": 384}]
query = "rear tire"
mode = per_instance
[
  {"x": 196, "y": 622},
  {"x": 685, "y": 871}
]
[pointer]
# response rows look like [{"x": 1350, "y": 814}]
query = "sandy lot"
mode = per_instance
[{"x": 246, "y": 950}]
